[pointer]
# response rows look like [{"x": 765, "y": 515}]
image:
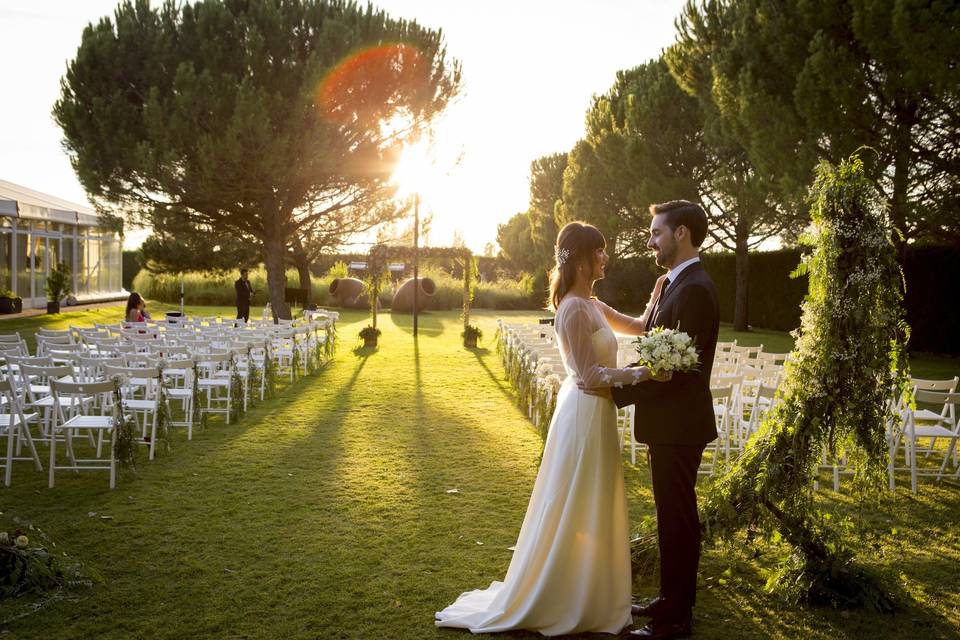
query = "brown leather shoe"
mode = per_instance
[
  {"x": 649, "y": 610},
  {"x": 663, "y": 630}
]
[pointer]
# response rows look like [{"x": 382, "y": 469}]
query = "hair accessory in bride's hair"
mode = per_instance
[{"x": 562, "y": 254}]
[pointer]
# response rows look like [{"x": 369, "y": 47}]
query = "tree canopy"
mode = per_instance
[
  {"x": 265, "y": 118},
  {"x": 795, "y": 82}
]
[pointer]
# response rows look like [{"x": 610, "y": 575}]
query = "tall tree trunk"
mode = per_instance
[
  {"x": 273, "y": 259},
  {"x": 901, "y": 184},
  {"x": 302, "y": 264},
  {"x": 741, "y": 307}
]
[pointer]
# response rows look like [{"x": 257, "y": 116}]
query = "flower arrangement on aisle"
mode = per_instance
[
  {"x": 125, "y": 444},
  {"x": 667, "y": 350},
  {"x": 26, "y": 567},
  {"x": 236, "y": 389},
  {"x": 545, "y": 397},
  {"x": 199, "y": 399}
]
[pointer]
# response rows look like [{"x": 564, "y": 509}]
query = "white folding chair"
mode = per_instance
[
  {"x": 178, "y": 380},
  {"x": 914, "y": 429},
  {"x": 16, "y": 426},
  {"x": 723, "y": 403},
  {"x": 140, "y": 399},
  {"x": 89, "y": 407},
  {"x": 219, "y": 387}
]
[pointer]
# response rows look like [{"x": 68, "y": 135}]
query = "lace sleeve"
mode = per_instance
[
  {"x": 576, "y": 325},
  {"x": 622, "y": 323}
]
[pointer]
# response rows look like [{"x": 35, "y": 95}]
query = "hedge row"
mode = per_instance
[
  {"x": 774, "y": 298},
  {"x": 933, "y": 290},
  {"x": 217, "y": 289}
]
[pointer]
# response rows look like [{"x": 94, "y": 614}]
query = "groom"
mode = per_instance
[{"x": 675, "y": 419}]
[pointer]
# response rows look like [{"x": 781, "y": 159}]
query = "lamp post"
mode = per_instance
[{"x": 416, "y": 257}]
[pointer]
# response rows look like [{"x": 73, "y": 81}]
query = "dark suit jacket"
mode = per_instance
[
  {"x": 680, "y": 412},
  {"x": 244, "y": 292}
]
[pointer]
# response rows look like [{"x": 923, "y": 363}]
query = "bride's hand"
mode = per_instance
[
  {"x": 657, "y": 288},
  {"x": 663, "y": 376}
]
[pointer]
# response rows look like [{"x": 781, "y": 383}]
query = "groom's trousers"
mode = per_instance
[{"x": 674, "y": 471}]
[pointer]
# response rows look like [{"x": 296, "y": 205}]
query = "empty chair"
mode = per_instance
[
  {"x": 78, "y": 401},
  {"x": 914, "y": 429},
  {"x": 141, "y": 400},
  {"x": 179, "y": 389},
  {"x": 218, "y": 387},
  {"x": 15, "y": 425}
]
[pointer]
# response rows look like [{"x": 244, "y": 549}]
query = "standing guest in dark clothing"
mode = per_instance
[{"x": 244, "y": 293}]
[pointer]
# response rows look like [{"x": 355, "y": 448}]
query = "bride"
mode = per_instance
[{"x": 570, "y": 572}]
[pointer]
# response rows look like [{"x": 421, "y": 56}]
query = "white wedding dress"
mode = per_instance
[{"x": 570, "y": 572}]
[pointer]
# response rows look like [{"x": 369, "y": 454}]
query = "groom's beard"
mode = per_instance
[{"x": 666, "y": 256}]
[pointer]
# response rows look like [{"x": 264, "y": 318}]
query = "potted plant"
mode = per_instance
[
  {"x": 58, "y": 285},
  {"x": 471, "y": 333},
  {"x": 369, "y": 334},
  {"x": 10, "y": 302}
]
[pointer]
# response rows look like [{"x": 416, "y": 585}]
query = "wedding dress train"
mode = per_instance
[{"x": 570, "y": 571}]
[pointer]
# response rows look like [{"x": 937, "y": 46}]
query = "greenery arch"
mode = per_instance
[
  {"x": 849, "y": 372},
  {"x": 381, "y": 254}
]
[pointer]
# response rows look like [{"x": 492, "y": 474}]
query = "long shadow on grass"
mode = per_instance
[
  {"x": 498, "y": 381},
  {"x": 428, "y": 324},
  {"x": 743, "y": 605}
]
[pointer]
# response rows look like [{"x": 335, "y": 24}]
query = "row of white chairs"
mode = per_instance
[
  {"x": 67, "y": 392},
  {"x": 745, "y": 383}
]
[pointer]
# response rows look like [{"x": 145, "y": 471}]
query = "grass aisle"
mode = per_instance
[{"x": 325, "y": 514}]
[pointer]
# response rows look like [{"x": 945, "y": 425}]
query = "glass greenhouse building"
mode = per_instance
[{"x": 38, "y": 230}]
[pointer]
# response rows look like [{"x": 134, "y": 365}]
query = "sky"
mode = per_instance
[{"x": 530, "y": 68}]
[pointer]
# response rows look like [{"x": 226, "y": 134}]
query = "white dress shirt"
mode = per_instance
[{"x": 677, "y": 270}]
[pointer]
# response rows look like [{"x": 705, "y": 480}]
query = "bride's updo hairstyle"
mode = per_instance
[{"x": 576, "y": 244}]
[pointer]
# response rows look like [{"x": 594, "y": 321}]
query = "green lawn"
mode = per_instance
[{"x": 325, "y": 513}]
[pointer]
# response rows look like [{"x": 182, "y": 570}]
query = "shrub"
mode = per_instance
[
  {"x": 216, "y": 288},
  {"x": 211, "y": 288}
]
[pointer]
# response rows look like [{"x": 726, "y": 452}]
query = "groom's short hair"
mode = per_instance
[{"x": 685, "y": 213}]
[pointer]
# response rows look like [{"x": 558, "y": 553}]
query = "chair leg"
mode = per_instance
[
  {"x": 113, "y": 457},
  {"x": 8, "y": 471},
  {"x": 53, "y": 455},
  {"x": 950, "y": 452},
  {"x": 188, "y": 409},
  {"x": 153, "y": 433}
]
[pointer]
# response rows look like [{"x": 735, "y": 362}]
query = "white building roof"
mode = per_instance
[{"x": 20, "y": 202}]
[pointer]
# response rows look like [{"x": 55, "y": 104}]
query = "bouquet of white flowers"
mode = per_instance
[{"x": 667, "y": 350}]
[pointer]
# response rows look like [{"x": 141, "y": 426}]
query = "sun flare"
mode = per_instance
[{"x": 416, "y": 172}]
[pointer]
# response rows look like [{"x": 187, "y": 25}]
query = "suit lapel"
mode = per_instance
[{"x": 662, "y": 301}]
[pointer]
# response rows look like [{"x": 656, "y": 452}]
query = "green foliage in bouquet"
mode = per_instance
[{"x": 667, "y": 350}]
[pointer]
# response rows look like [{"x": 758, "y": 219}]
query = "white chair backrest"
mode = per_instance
[{"x": 949, "y": 385}]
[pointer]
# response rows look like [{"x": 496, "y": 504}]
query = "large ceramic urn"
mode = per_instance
[
  {"x": 403, "y": 299},
  {"x": 350, "y": 293}
]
